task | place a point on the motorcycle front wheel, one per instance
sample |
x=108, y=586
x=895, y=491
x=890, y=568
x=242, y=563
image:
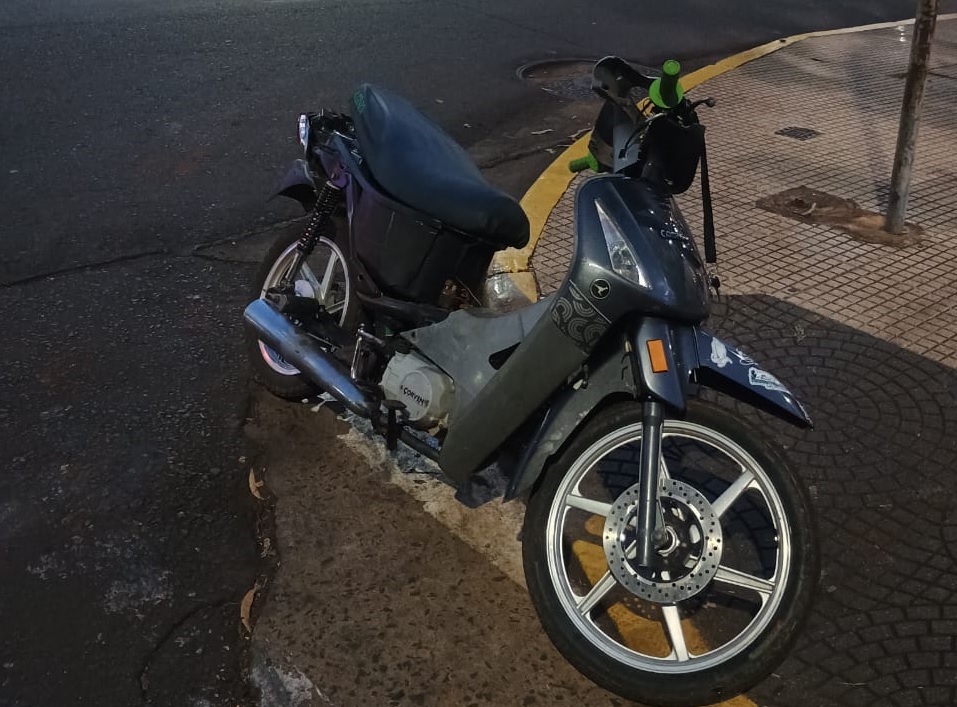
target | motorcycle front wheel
x=729, y=588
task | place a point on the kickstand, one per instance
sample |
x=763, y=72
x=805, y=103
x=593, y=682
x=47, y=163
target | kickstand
x=392, y=423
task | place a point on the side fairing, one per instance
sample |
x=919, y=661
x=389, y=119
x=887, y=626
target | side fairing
x=538, y=367
x=672, y=283
x=463, y=343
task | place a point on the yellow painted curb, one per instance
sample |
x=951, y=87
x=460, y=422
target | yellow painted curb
x=548, y=189
x=538, y=203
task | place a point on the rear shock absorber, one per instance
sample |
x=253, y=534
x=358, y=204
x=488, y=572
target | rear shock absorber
x=321, y=216
x=319, y=223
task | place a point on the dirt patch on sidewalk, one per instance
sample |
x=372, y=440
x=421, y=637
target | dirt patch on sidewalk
x=812, y=206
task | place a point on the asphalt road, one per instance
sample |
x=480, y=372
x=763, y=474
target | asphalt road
x=132, y=133
x=153, y=126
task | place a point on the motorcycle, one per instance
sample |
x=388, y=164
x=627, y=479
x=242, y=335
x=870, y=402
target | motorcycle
x=669, y=548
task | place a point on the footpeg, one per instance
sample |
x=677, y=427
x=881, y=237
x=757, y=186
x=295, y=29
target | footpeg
x=287, y=301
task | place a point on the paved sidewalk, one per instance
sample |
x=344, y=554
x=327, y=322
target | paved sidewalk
x=848, y=89
x=865, y=334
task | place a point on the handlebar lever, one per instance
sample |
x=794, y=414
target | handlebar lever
x=710, y=102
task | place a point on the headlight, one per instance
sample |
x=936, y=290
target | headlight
x=623, y=258
x=304, y=131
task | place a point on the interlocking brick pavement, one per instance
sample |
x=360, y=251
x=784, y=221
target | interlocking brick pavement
x=880, y=465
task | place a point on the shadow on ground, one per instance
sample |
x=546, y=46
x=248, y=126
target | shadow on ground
x=880, y=463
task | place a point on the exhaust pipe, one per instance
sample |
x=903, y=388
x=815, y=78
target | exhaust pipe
x=318, y=366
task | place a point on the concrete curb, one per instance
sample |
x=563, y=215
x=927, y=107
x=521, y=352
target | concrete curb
x=549, y=187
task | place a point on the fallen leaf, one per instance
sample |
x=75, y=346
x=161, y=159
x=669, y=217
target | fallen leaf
x=246, y=605
x=255, y=485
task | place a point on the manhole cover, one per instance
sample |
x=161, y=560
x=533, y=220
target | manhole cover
x=812, y=206
x=798, y=133
x=568, y=78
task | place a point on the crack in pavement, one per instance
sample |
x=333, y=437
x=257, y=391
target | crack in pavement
x=119, y=260
x=142, y=677
x=190, y=251
x=528, y=152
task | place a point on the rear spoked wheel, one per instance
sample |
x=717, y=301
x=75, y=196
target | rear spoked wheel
x=730, y=585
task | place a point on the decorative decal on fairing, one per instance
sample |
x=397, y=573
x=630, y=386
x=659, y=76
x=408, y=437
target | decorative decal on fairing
x=764, y=379
x=743, y=358
x=577, y=319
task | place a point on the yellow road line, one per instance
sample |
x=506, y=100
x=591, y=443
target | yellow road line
x=538, y=203
x=696, y=78
x=548, y=189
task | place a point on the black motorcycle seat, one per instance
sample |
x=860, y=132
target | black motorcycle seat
x=418, y=164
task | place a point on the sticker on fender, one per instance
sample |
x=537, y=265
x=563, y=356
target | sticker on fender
x=758, y=377
x=720, y=351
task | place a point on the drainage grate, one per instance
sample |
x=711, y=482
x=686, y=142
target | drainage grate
x=798, y=133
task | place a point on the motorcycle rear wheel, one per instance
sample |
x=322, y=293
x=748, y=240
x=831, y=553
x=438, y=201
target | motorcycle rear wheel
x=326, y=275
x=733, y=587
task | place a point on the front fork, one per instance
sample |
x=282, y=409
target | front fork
x=651, y=533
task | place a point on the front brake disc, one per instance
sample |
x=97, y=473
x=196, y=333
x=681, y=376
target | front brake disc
x=690, y=560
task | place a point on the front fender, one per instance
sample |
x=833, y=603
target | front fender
x=298, y=184
x=730, y=371
x=692, y=355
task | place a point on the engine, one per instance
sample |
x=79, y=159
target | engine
x=427, y=393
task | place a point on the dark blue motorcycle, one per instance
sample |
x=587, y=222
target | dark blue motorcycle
x=669, y=548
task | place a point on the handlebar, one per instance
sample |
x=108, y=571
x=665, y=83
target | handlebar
x=622, y=126
x=667, y=92
x=582, y=163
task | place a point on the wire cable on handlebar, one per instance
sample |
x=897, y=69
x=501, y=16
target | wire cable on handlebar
x=631, y=138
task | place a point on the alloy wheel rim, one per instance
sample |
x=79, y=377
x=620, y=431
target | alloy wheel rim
x=323, y=289
x=580, y=607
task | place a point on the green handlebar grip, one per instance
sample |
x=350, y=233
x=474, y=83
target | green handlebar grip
x=582, y=163
x=667, y=92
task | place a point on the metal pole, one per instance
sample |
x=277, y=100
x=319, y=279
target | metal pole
x=924, y=27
